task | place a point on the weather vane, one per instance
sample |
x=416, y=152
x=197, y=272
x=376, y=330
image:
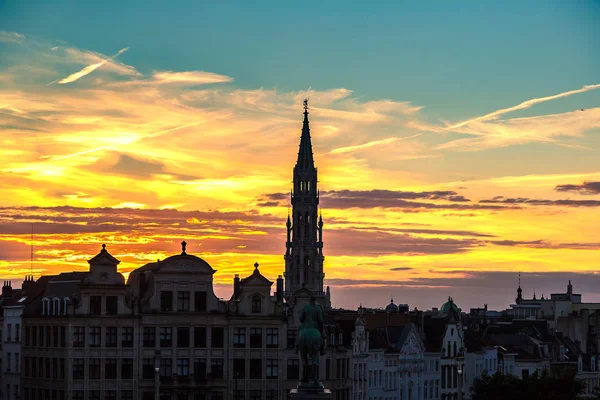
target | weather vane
x=306, y=104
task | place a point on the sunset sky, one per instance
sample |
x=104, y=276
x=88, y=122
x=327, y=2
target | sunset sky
x=457, y=143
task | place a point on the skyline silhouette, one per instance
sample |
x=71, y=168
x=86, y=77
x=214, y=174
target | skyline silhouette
x=444, y=170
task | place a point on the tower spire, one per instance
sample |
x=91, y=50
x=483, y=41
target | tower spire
x=305, y=154
x=304, y=255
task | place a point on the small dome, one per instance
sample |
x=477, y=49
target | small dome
x=447, y=306
x=391, y=307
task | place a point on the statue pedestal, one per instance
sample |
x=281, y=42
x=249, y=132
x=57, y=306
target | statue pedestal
x=308, y=394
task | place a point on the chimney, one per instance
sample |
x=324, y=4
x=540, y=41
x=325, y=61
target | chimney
x=28, y=283
x=7, y=289
x=236, y=286
x=279, y=294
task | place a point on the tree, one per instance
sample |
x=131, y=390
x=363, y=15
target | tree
x=562, y=386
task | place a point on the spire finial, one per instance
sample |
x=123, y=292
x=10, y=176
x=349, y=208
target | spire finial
x=391, y=299
x=183, y=244
x=519, y=279
x=305, y=105
x=103, y=247
x=256, y=265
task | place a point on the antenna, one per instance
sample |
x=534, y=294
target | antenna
x=31, y=260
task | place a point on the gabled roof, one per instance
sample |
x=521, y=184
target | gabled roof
x=256, y=278
x=104, y=257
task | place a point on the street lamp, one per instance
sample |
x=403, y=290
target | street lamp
x=460, y=361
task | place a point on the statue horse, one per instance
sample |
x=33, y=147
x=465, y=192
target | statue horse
x=310, y=343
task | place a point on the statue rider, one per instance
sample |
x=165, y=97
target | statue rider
x=311, y=339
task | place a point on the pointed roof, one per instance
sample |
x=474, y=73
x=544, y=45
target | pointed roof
x=256, y=278
x=104, y=257
x=305, y=154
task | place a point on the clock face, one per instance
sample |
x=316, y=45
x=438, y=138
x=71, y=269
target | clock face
x=233, y=307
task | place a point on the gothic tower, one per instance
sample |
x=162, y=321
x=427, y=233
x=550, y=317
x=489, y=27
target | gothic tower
x=304, y=247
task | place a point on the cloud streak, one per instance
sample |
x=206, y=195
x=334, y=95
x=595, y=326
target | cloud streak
x=523, y=105
x=89, y=69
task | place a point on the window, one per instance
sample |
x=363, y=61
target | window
x=217, y=337
x=255, y=394
x=239, y=368
x=55, y=336
x=425, y=390
x=328, y=367
x=77, y=394
x=17, y=361
x=272, y=337
x=110, y=368
x=183, y=337
x=239, y=337
x=34, y=335
x=256, y=338
x=48, y=334
x=340, y=339
x=293, y=368
x=78, y=368
x=183, y=367
x=255, y=368
x=271, y=394
x=78, y=336
x=256, y=303
x=183, y=301
x=291, y=338
x=200, y=369
x=149, y=336
x=216, y=368
x=94, y=336
x=127, y=368
x=112, y=305
x=148, y=368
x=238, y=394
x=272, y=368
x=126, y=394
x=166, y=336
x=127, y=336
x=200, y=336
x=94, y=368
x=63, y=336
x=95, y=305
x=17, y=332
x=94, y=395
x=200, y=301
x=166, y=300
x=111, y=336
x=166, y=368
x=110, y=395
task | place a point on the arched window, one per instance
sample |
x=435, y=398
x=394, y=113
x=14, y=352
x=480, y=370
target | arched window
x=256, y=304
x=65, y=303
x=45, y=306
x=454, y=349
x=56, y=306
x=308, y=186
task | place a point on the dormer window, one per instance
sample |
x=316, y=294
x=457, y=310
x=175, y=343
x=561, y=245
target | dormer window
x=256, y=304
x=65, y=303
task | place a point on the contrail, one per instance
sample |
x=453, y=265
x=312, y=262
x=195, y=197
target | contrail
x=370, y=144
x=89, y=69
x=525, y=104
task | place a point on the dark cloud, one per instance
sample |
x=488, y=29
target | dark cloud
x=541, y=202
x=268, y=204
x=400, y=269
x=407, y=201
x=543, y=244
x=424, y=231
x=586, y=188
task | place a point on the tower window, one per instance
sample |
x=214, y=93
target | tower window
x=308, y=185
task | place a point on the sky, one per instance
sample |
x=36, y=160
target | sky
x=457, y=142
